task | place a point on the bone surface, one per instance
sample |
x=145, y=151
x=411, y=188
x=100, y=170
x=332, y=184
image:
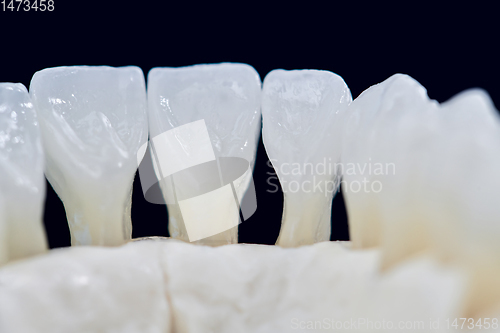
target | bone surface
x=302, y=116
x=22, y=185
x=93, y=121
x=197, y=115
x=171, y=286
x=86, y=289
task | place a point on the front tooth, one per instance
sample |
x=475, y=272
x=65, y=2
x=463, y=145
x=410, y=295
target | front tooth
x=198, y=115
x=301, y=112
x=93, y=121
x=21, y=176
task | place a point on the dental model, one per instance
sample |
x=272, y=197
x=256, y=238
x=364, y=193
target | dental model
x=93, y=121
x=420, y=270
x=22, y=185
x=198, y=115
x=302, y=116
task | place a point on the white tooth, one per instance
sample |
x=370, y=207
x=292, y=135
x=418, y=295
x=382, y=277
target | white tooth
x=302, y=111
x=199, y=114
x=21, y=175
x=443, y=194
x=384, y=132
x=93, y=121
x=4, y=246
x=462, y=200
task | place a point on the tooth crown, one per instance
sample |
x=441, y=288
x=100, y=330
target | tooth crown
x=20, y=139
x=302, y=110
x=21, y=174
x=467, y=156
x=226, y=97
x=93, y=121
x=97, y=112
x=381, y=124
x=460, y=207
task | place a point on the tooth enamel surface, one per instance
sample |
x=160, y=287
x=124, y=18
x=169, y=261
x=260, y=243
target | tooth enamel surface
x=384, y=147
x=463, y=193
x=441, y=198
x=93, y=120
x=302, y=113
x=22, y=185
x=197, y=115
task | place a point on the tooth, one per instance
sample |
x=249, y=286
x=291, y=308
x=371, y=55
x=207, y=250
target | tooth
x=21, y=176
x=4, y=246
x=462, y=201
x=93, y=120
x=200, y=114
x=442, y=197
x=386, y=128
x=302, y=111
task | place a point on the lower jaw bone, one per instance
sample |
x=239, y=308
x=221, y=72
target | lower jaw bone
x=171, y=286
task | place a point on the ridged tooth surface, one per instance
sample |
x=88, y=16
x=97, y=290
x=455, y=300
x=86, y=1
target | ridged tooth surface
x=22, y=185
x=223, y=100
x=383, y=138
x=93, y=120
x=302, y=112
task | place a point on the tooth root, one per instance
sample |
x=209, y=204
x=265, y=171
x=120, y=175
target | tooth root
x=203, y=114
x=93, y=121
x=302, y=111
x=22, y=185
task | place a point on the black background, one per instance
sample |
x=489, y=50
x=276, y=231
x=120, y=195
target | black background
x=447, y=49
